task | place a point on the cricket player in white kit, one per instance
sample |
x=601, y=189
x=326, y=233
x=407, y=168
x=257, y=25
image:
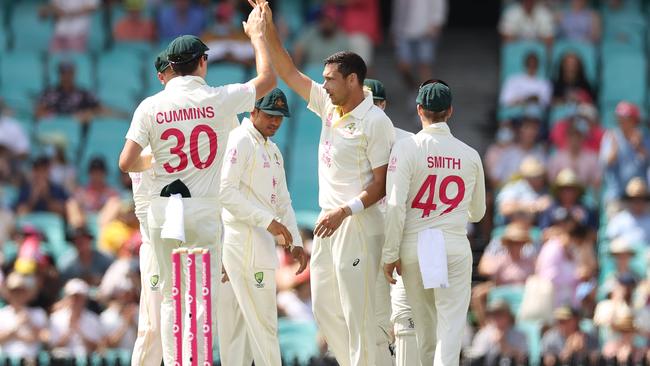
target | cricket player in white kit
x=394, y=315
x=187, y=127
x=147, y=349
x=435, y=184
x=255, y=197
x=355, y=142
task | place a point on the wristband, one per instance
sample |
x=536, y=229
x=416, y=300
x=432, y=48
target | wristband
x=355, y=205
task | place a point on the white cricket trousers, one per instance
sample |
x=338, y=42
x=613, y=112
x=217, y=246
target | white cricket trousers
x=382, y=312
x=255, y=291
x=344, y=269
x=147, y=350
x=406, y=345
x=440, y=314
x=234, y=346
x=202, y=221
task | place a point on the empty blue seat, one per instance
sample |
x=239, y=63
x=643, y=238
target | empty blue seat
x=120, y=78
x=30, y=32
x=50, y=224
x=298, y=341
x=225, y=73
x=623, y=77
x=60, y=129
x=97, y=38
x=533, y=332
x=21, y=79
x=512, y=294
x=105, y=139
x=513, y=55
x=584, y=50
x=84, y=71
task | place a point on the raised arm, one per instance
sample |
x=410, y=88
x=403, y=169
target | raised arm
x=281, y=60
x=265, y=80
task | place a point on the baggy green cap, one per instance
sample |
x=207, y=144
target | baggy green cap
x=376, y=88
x=274, y=103
x=161, y=62
x=184, y=49
x=435, y=97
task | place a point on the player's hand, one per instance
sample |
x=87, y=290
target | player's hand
x=277, y=229
x=224, y=275
x=331, y=221
x=298, y=253
x=389, y=268
x=254, y=26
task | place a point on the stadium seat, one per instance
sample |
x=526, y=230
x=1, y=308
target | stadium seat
x=584, y=50
x=513, y=55
x=105, y=139
x=293, y=13
x=623, y=77
x=29, y=31
x=533, y=332
x=84, y=70
x=97, y=38
x=50, y=224
x=120, y=78
x=225, y=73
x=512, y=294
x=21, y=79
x=297, y=340
x=8, y=195
x=64, y=130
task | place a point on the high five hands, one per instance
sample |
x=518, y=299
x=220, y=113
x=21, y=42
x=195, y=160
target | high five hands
x=254, y=26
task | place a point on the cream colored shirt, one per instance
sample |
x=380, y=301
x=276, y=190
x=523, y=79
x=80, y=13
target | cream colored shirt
x=351, y=146
x=434, y=181
x=187, y=125
x=254, y=192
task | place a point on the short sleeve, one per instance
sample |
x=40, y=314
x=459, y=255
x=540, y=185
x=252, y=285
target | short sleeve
x=318, y=99
x=237, y=98
x=381, y=136
x=140, y=128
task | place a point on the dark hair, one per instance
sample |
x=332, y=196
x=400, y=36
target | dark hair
x=529, y=56
x=40, y=162
x=186, y=68
x=349, y=63
x=435, y=116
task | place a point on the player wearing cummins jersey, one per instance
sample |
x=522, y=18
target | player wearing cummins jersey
x=394, y=315
x=187, y=127
x=147, y=349
x=435, y=184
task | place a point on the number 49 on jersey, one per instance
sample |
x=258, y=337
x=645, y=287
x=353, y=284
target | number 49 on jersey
x=429, y=188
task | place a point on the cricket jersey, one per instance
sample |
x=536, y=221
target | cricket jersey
x=187, y=125
x=351, y=146
x=254, y=192
x=141, y=186
x=434, y=181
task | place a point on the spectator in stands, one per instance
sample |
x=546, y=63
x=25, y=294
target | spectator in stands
x=89, y=200
x=23, y=329
x=62, y=172
x=633, y=223
x=567, y=193
x=181, y=17
x=86, y=262
x=75, y=331
x=120, y=319
x=575, y=157
x=72, y=25
x=118, y=229
x=584, y=120
x=498, y=339
x=507, y=164
x=511, y=268
x=226, y=39
x=527, y=19
x=559, y=263
x=579, y=22
x=526, y=88
x=360, y=20
x=12, y=134
x=571, y=83
x=67, y=98
x=617, y=305
x=416, y=28
x=565, y=341
x=625, y=151
x=320, y=40
x=122, y=269
x=504, y=141
x=528, y=194
x=622, y=251
x=623, y=349
x=294, y=302
x=39, y=194
x=134, y=26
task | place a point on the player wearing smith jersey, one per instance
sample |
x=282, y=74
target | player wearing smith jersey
x=435, y=184
x=187, y=127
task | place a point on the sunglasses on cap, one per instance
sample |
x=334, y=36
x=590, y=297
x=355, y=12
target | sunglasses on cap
x=432, y=81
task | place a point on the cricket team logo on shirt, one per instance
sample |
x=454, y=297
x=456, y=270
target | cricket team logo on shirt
x=350, y=129
x=327, y=153
x=153, y=281
x=259, y=278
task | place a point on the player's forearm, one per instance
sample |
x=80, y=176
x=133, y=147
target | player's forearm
x=375, y=191
x=265, y=80
x=280, y=58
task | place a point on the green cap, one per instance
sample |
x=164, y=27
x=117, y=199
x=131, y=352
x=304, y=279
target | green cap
x=184, y=49
x=274, y=103
x=161, y=62
x=435, y=97
x=376, y=88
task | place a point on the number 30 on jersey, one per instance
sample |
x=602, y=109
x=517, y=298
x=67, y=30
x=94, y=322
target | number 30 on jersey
x=194, y=148
x=429, y=186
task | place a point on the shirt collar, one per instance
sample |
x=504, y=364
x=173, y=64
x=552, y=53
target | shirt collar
x=360, y=111
x=248, y=125
x=185, y=81
x=439, y=128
